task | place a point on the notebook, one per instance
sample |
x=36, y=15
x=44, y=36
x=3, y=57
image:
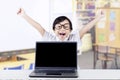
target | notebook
x=55, y=60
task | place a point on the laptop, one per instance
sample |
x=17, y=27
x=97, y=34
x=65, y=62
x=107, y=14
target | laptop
x=55, y=60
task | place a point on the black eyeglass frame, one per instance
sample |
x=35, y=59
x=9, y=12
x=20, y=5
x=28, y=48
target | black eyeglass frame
x=63, y=25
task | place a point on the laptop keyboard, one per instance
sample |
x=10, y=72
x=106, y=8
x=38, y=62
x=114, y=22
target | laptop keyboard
x=55, y=72
x=59, y=71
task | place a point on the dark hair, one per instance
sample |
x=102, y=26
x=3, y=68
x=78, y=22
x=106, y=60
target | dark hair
x=60, y=19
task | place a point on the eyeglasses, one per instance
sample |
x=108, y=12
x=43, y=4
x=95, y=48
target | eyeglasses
x=66, y=26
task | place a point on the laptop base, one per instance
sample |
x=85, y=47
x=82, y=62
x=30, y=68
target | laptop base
x=53, y=75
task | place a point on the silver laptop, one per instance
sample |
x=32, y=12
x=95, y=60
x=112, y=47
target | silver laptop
x=55, y=60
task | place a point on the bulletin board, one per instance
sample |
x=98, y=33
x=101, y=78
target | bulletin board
x=108, y=28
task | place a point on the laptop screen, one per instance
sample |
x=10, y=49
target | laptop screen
x=56, y=54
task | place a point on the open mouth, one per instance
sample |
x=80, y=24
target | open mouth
x=62, y=34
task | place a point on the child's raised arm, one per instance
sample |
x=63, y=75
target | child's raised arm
x=91, y=24
x=31, y=21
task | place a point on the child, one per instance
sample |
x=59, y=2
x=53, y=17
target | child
x=62, y=28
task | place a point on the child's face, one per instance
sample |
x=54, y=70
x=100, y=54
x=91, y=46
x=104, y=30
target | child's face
x=62, y=30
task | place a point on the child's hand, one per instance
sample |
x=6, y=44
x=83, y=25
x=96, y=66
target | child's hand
x=21, y=12
x=100, y=13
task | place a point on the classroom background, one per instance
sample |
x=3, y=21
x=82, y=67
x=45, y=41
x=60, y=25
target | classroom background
x=18, y=37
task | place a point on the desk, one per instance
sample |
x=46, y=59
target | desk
x=12, y=55
x=83, y=74
x=30, y=58
x=24, y=75
x=113, y=48
x=109, y=44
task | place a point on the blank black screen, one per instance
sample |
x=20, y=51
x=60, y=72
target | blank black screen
x=56, y=54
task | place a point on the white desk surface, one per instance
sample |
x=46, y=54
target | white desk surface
x=22, y=75
x=83, y=74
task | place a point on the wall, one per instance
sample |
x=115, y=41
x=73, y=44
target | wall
x=62, y=8
x=15, y=32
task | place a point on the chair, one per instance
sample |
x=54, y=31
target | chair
x=103, y=53
x=20, y=67
x=31, y=66
x=117, y=51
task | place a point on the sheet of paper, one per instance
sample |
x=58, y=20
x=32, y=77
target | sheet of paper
x=112, y=15
x=101, y=37
x=112, y=26
x=112, y=37
x=101, y=24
